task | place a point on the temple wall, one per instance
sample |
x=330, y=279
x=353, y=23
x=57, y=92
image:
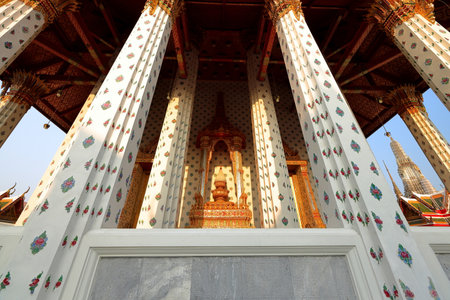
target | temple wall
x=237, y=106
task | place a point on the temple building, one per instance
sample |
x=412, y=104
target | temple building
x=11, y=207
x=217, y=149
x=421, y=204
x=412, y=177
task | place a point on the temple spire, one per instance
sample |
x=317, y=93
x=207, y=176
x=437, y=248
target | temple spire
x=413, y=179
x=397, y=191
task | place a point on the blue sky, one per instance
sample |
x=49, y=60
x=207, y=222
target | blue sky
x=27, y=152
x=30, y=148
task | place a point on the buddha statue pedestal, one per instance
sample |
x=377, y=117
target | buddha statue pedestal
x=220, y=213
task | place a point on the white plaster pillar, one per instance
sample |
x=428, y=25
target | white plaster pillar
x=90, y=192
x=423, y=41
x=433, y=63
x=352, y=189
x=19, y=25
x=277, y=202
x=162, y=198
x=58, y=160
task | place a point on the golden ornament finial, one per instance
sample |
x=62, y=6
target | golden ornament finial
x=171, y=7
x=278, y=8
x=12, y=189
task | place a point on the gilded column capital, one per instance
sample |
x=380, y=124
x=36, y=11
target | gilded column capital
x=278, y=8
x=4, y=2
x=52, y=9
x=404, y=98
x=391, y=13
x=25, y=88
x=171, y=7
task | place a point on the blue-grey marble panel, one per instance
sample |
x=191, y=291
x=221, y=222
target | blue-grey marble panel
x=444, y=259
x=117, y=278
x=234, y=277
x=165, y=278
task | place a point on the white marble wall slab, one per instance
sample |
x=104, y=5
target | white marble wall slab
x=232, y=277
x=444, y=259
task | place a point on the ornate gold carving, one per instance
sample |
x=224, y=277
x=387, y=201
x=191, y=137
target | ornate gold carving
x=290, y=153
x=4, y=2
x=405, y=98
x=391, y=13
x=220, y=129
x=278, y=8
x=426, y=9
x=52, y=9
x=25, y=88
x=147, y=152
x=220, y=213
x=151, y=5
x=139, y=178
x=8, y=192
x=171, y=7
x=307, y=210
x=134, y=199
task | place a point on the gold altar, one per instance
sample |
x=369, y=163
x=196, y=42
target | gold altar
x=220, y=213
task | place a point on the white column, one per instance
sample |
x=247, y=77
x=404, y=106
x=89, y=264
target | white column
x=277, y=202
x=90, y=192
x=58, y=160
x=353, y=191
x=427, y=46
x=162, y=197
x=19, y=25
